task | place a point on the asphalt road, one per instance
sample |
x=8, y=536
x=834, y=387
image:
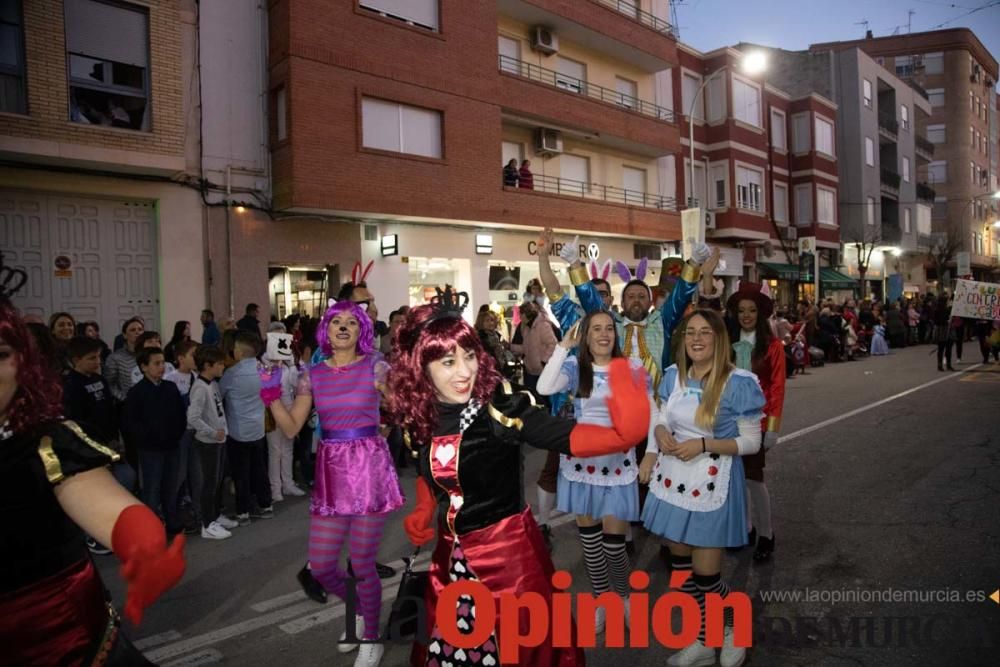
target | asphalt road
x=886, y=492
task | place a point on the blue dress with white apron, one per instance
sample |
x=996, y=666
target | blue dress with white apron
x=701, y=502
x=597, y=486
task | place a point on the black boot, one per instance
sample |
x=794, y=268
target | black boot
x=384, y=571
x=765, y=547
x=312, y=588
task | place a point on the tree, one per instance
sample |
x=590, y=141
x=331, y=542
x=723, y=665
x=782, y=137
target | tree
x=944, y=247
x=864, y=242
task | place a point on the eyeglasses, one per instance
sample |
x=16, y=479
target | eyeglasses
x=698, y=333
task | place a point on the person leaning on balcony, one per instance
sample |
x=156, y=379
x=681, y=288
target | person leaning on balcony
x=526, y=179
x=510, y=174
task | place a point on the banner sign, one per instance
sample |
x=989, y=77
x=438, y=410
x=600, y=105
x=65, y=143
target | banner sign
x=980, y=301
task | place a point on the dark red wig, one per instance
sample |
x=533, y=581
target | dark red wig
x=418, y=343
x=38, y=398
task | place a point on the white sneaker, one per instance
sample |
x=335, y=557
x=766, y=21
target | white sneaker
x=293, y=490
x=695, y=655
x=215, y=532
x=730, y=655
x=359, y=632
x=276, y=497
x=600, y=620
x=370, y=655
x=226, y=522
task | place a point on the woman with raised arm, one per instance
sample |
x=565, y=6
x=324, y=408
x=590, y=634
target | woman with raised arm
x=709, y=417
x=55, y=487
x=466, y=425
x=356, y=484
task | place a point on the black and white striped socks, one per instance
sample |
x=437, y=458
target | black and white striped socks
x=618, y=563
x=594, y=558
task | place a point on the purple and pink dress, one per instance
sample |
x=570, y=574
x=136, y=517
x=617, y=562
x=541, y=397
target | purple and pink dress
x=355, y=474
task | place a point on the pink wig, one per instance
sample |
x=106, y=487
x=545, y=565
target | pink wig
x=38, y=398
x=366, y=337
x=418, y=343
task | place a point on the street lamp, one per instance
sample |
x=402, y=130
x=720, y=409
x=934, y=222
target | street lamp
x=754, y=62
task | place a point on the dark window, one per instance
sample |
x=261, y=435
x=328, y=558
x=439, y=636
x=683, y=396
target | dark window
x=12, y=92
x=108, y=61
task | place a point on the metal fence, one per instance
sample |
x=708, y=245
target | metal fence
x=609, y=193
x=571, y=84
x=630, y=8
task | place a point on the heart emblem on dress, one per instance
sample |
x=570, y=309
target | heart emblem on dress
x=460, y=655
x=462, y=624
x=434, y=648
x=448, y=650
x=445, y=454
x=459, y=568
x=591, y=469
x=489, y=647
x=474, y=656
x=457, y=502
x=489, y=661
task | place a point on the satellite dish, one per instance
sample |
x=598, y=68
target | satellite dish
x=768, y=249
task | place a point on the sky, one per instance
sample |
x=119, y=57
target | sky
x=795, y=24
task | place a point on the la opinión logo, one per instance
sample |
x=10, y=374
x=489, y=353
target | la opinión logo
x=552, y=620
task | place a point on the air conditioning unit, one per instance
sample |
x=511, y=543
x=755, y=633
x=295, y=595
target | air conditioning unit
x=548, y=142
x=791, y=233
x=709, y=220
x=544, y=40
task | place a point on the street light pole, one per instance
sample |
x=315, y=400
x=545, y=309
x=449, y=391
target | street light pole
x=694, y=101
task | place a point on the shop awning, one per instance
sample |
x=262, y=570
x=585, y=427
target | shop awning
x=833, y=279
x=779, y=271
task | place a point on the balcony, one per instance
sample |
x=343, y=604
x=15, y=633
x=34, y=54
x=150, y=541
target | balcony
x=924, y=148
x=568, y=187
x=925, y=193
x=890, y=180
x=548, y=77
x=888, y=126
x=630, y=8
x=892, y=234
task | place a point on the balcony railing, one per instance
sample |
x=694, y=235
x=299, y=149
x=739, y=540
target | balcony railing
x=630, y=8
x=924, y=145
x=890, y=178
x=567, y=186
x=576, y=86
x=925, y=193
x=888, y=123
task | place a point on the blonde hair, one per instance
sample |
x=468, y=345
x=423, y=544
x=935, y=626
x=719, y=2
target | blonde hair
x=715, y=382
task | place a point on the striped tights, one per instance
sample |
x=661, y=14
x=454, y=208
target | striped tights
x=363, y=533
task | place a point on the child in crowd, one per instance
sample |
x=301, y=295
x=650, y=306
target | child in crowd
x=207, y=418
x=149, y=339
x=279, y=358
x=188, y=463
x=154, y=421
x=246, y=447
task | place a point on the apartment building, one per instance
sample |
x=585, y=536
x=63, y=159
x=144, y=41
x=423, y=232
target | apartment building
x=119, y=154
x=393, y=122
x=885, y=208
x=959, y=76
x=765, y=167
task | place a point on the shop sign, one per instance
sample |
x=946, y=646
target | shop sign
x=63, y=266
x=587, y=251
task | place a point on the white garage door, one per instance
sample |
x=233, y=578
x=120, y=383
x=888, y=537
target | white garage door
x=93, y=258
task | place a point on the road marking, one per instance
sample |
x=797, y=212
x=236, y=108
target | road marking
x=847, y=415
x=280, y=601
x=156, y=640
x=206, y=657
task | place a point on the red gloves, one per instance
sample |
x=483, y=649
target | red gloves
x=419, y=524
x=149, y=567
x=629, y=408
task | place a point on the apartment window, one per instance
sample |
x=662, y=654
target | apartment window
x=972, y=102
x=512, y=150
x=978, y=140
x=780, y=202
x=803, y=204
x=870, y=210
x=904, y=65
x=749, y=186
x=937, y=172
x=509, y=51
x=972, y=136
x=108, y=52
x=746, y=102
x=691, y=83
x=574, y=173
x=906, y=169
x=824, y=136
x=866, y=92
x=12, y=95
x=907, y=221
x=778, y=130
x=421, y=13
x=698, y=191
x=570, y=74
x=936, y=134
x=940, y=210
x=973, y=172
x=936, y=97
x=934, y=63
x=800, y=133
x=281, y=114
x=628, y=92
x=634, y=181
x=716, y=99
x=869, y=152
x=399, y=128
x=826, y=206
x=720, y=181
x=904, y=117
